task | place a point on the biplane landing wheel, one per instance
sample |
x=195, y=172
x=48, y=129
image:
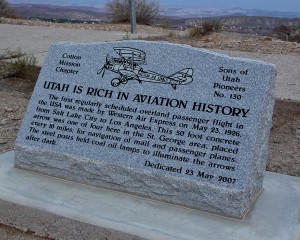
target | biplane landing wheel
x=115, y=82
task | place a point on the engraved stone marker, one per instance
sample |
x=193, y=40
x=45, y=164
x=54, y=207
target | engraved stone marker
x=158, y=120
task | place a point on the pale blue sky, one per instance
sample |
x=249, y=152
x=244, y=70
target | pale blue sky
x=274, y=5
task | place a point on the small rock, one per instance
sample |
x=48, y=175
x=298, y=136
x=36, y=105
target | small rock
x=8, y=109
x=2, y=141
x=3, y=121
x=297, y=134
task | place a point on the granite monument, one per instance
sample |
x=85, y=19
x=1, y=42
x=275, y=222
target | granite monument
x=163, y=121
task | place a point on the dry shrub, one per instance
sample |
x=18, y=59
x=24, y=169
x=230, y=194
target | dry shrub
x=11, y=54
x=24, y=66
x=21, y=64
x=6, y=10
x=282, y=29
x=146, y=11
x=164, y=25
x=212, y=25
x=208, y=26
x=295, y=38
x=196, y=31
x=287, y=33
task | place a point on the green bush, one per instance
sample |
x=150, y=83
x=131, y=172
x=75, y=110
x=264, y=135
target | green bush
x=146, y=11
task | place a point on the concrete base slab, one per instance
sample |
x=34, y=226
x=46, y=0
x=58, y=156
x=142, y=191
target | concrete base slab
x=275, y=216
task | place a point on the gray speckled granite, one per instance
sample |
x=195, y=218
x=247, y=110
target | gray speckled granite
x=112, y=134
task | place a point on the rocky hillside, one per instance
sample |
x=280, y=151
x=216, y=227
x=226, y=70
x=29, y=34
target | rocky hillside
x=243, y=24
x=249, y=21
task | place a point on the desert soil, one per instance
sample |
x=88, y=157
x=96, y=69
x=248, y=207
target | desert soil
x=284, y=143
x=9, y=233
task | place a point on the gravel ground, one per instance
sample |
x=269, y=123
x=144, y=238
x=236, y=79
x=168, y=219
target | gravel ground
x=98, y=27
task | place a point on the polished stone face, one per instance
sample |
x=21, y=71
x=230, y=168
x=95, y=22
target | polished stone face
x=164, y=121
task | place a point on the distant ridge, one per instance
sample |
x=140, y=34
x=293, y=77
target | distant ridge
x=193, y=12
x=257, y=24
x=90, y=12
x=60, y=12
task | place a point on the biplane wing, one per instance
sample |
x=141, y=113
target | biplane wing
x=135, y=55
x=184, y=76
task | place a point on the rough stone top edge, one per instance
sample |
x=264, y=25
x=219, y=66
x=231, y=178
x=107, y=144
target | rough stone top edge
x=272, y=66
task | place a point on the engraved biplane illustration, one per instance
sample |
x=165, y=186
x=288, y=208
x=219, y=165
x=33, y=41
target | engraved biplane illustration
x=126, y=62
